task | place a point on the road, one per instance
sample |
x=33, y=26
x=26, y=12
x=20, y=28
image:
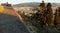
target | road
x=10, y=11
x=11, y=24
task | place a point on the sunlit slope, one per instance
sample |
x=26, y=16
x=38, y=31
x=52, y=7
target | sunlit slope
x=6, y=10
x=1, y=9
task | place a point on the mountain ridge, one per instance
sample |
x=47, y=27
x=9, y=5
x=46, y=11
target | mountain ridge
x=33, y=3
x=36, y=4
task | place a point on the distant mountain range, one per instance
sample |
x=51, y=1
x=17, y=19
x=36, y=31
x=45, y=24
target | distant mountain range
x=36, y=4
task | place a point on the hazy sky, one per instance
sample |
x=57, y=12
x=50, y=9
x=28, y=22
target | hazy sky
x=23, y=1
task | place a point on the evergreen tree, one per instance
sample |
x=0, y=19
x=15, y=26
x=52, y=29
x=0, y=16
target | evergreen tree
x=49, y=17
x=56, y=17
x=40, y=16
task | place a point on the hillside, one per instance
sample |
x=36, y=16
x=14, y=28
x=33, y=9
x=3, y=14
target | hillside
x=27, y=18
x=35, y=4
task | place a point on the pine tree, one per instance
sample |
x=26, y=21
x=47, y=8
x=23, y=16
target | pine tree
x=40, y=14
x=56, y=17
x=49, y=15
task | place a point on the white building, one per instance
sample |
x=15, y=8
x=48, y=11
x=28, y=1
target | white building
x=26, y=10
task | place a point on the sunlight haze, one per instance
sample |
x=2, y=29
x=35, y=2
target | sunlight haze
x=24, y=1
